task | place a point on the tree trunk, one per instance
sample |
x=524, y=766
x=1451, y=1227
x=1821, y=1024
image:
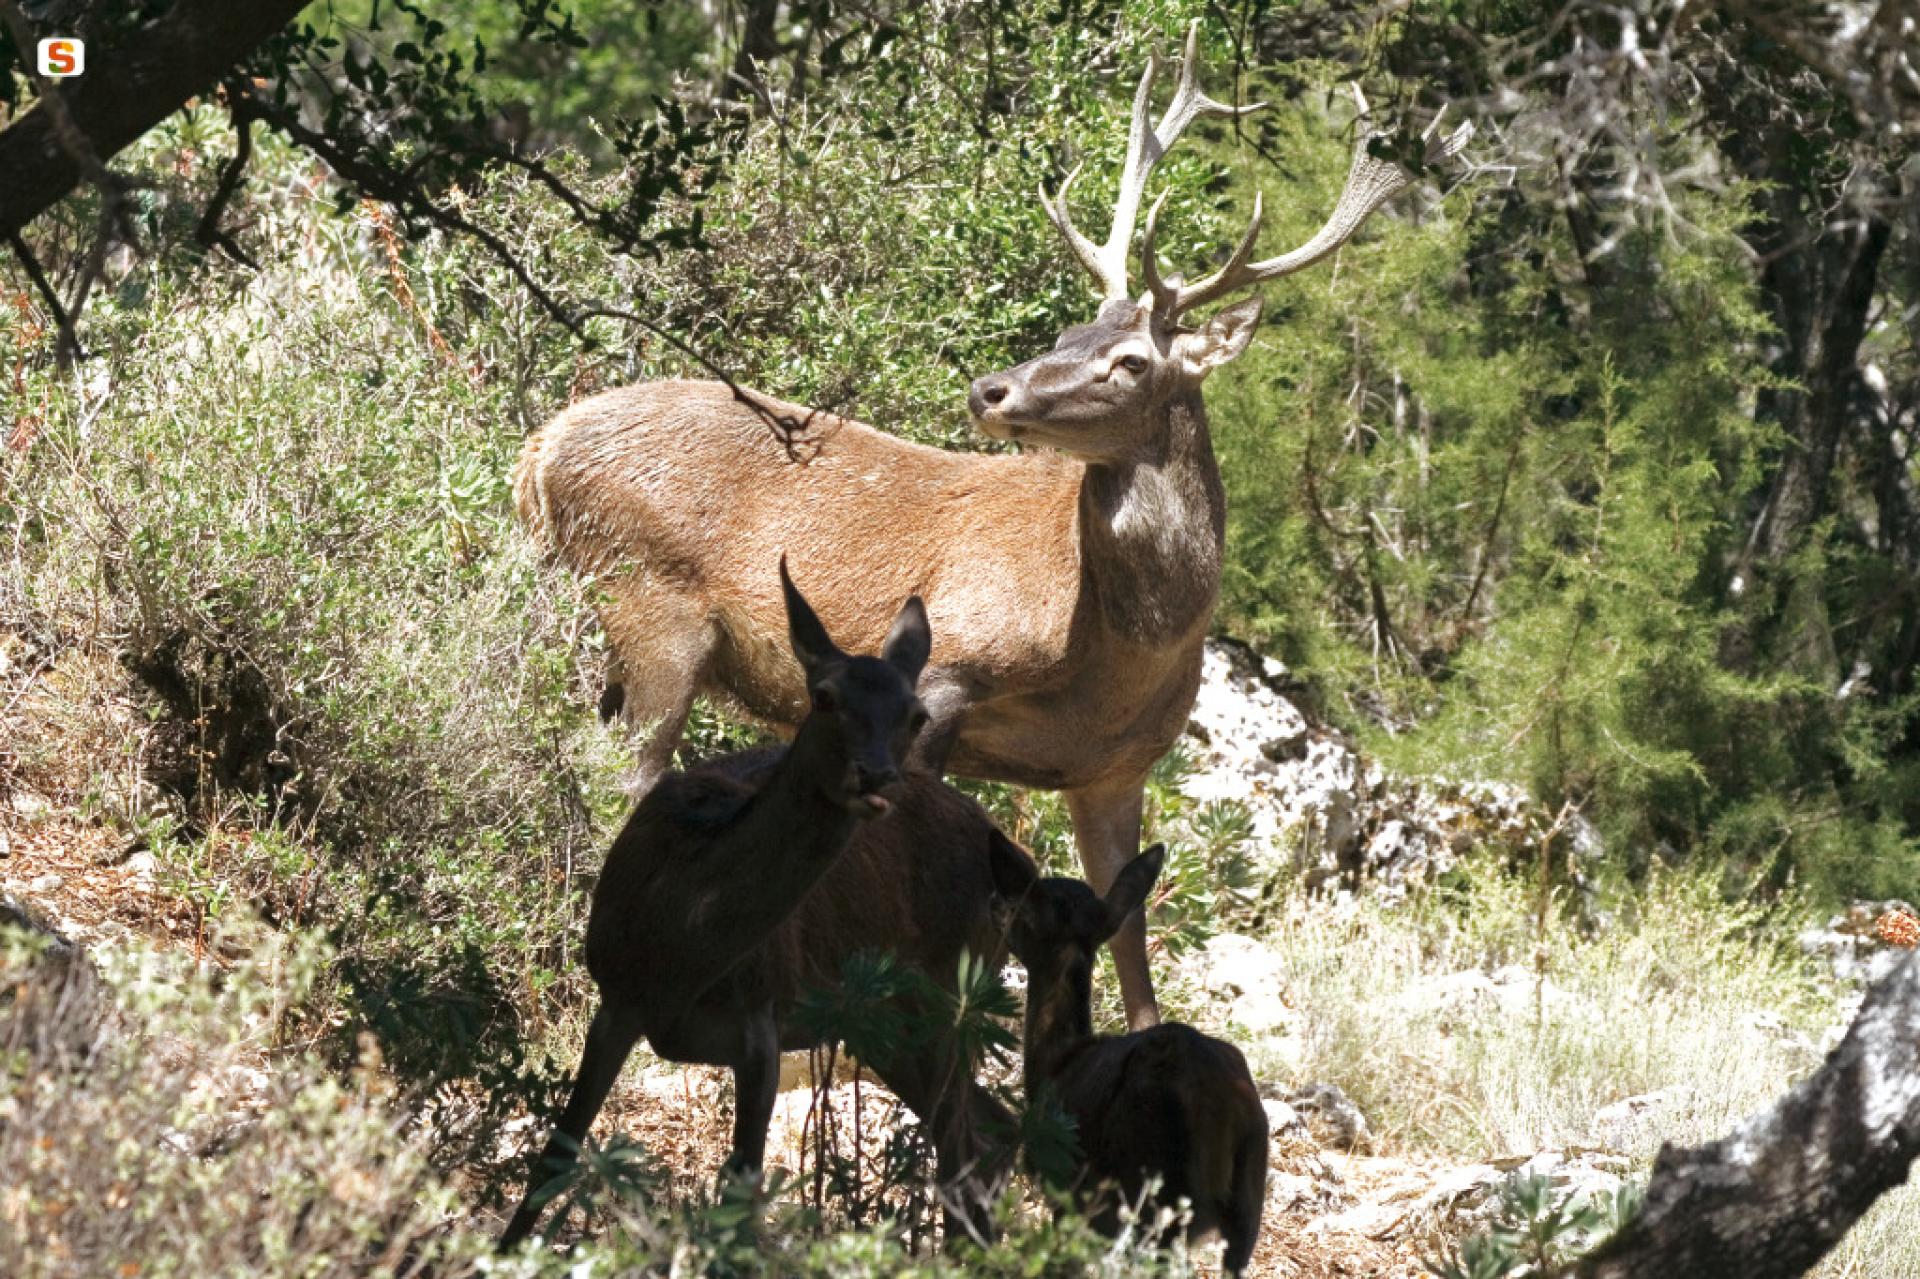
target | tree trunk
x=1770, y=1199
x=135, y=78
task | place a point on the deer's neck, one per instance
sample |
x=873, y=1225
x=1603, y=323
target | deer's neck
x=1059, y=1020
x=787, y=837
x=1153, y=528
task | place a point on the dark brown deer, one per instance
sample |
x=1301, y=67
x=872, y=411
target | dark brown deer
x=739, y=884
x=1072, y=587
x=1167, y=1104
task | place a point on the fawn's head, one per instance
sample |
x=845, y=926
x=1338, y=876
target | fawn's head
x=864, y=710
x=1098, y=393
x=1059, y=924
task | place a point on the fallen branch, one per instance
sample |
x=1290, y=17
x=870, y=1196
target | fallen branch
x=1774, y=1196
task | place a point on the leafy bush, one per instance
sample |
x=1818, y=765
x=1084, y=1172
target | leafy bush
x=177, y=1145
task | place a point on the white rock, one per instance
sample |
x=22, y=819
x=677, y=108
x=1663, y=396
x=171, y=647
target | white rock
x=1249, y=977
x=1313, y=800
x=1284, y=1122
x=1332, y=1116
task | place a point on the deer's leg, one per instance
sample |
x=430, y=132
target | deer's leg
x=747, y=1042
x=1241, y=1224
x=962, y=1116
x=945, y=696
x=659, y=660
x=756, y=1083
x=610, y=1038
x=1106, y=826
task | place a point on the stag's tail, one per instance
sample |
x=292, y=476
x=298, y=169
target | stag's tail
x=530, y=485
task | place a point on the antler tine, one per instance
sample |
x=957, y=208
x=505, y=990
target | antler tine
x=1170, y=300
x=1146, y=144
x=1371, y=182
x=1083, y=248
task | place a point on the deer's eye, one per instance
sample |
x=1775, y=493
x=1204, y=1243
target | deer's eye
x=1134, y=364
x=916, y=721
x=823, y=700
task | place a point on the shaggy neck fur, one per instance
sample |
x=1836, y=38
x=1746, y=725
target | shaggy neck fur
x=1153, y=528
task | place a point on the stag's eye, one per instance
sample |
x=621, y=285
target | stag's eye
x=1134, y=364
x=916, y=721
x=823, y=700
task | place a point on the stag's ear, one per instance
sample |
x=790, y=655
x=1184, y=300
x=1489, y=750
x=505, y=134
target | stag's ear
x=1014, y=873
x=910, y=640
x=1131, y=886
x=1220, y=339
x=810, y=642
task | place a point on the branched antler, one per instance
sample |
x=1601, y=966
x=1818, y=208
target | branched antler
x=1371, y=182
x=1107, y=263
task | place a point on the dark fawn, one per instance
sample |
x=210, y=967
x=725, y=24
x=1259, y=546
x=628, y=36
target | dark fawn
x=1167, y=1104
x=739, y=884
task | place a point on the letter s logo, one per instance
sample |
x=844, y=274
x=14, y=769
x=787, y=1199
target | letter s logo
x=61, y=57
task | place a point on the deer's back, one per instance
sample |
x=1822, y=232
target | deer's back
x=915, y=883
x=1168, y=1101
x=677, y=486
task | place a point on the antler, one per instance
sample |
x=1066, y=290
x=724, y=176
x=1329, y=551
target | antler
x=1370, y=183
x=1108, y=263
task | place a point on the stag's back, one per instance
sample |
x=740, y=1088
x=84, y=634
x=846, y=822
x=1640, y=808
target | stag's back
x=679, y=489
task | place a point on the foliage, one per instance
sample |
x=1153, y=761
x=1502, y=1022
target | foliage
x=176, y=1146
x=1457, y=1024
x=1536, y=1231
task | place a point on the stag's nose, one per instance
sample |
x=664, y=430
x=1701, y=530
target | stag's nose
x=988, y=393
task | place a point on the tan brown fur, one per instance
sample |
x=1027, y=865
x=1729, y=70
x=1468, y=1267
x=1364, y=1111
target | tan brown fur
x=1070, y=591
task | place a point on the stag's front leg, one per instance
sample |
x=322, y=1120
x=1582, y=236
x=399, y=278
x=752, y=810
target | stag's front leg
x=1106, y=826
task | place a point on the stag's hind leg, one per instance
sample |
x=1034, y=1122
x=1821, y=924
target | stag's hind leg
x=662, y=644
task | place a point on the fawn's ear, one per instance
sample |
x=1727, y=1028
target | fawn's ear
x=810, y=642
x=1131, y=886
x=910, y=640
x=1014, y=873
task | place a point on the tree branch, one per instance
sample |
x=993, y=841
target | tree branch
x=138, y=75
x=1774, y=1196
x=208, y=233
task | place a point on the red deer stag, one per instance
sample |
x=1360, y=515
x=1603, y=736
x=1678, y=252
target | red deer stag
x=1072, y=587
x=1167, y=1102
x=736, y=885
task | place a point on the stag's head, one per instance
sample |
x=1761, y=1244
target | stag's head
x=864, y=712
x=1096, y=393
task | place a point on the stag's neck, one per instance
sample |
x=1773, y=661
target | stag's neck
x=1059, y=1021
x=1153, y=528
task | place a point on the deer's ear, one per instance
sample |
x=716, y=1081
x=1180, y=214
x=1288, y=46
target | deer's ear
x=910, y=640
x=1131, y=886
x=1221, y=338
x=1013, y=871
x=810, y=642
